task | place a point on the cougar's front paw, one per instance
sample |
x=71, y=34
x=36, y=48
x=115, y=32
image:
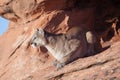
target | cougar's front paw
x=55, y=63
x=58, y=65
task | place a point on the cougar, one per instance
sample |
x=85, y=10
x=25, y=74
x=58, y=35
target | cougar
x=67, y=47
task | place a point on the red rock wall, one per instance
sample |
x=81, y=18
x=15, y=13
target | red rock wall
x=19, y=61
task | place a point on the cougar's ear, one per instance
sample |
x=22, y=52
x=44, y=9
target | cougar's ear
x=40, y=31
x=37, y=29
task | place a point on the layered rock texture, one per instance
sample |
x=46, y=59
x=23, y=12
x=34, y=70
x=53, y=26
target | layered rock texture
x=19, y=61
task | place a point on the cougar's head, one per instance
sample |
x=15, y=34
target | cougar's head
x=38, y=39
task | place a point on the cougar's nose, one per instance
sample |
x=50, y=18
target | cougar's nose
x=31, y=43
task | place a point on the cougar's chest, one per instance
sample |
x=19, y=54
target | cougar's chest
x=56, y=53
x=56, y=49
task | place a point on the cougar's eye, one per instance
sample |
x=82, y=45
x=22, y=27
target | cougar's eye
x=35, y=38
x=35, y=44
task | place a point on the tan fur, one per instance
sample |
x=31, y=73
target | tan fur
x=65, y=47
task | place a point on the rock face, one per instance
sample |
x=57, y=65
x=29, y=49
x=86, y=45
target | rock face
x=19, y=61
